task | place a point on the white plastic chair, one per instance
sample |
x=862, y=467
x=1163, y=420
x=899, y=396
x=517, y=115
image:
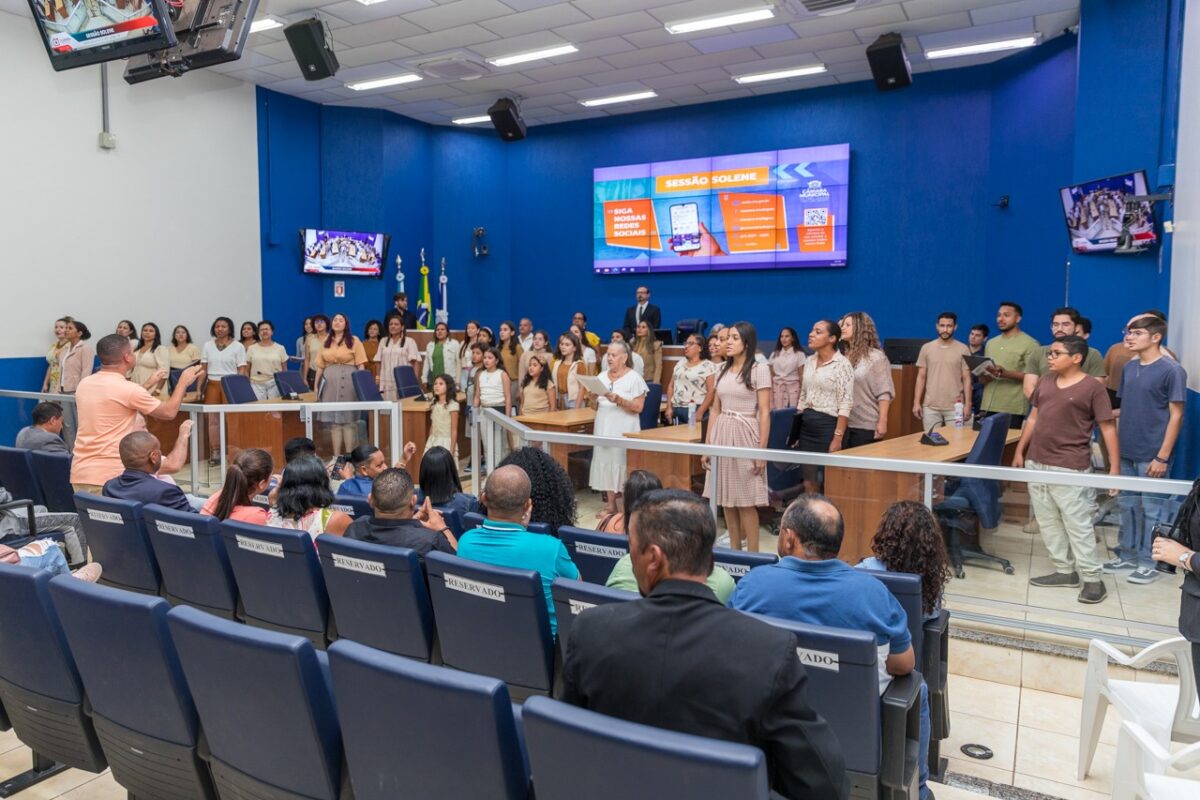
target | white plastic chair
x=1168, y=712
x=1141, y=765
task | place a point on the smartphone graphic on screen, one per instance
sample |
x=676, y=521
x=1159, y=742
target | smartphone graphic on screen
x=685, y=227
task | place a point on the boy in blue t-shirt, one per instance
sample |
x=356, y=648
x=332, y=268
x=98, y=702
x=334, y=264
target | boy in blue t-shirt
x=1153, y=390
x=810, y=584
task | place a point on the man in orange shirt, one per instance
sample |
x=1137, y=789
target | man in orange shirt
x=109, y=407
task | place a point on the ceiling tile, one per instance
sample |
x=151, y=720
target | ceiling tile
x=496, y=83
x=734, y=41
x=793, y=85
x=855, y=77
x=567, y=69
x=546, y=88
x=769, y=64
x=977, y=33
x=354, y=12
x=609, y=26
x=518, y=44
x=610, y=91
x=851, y=20
x=526, y=5
x=284, y=69
x=699, y=9
x=638, y=73
x=1052, y=25
x=460, y=12
x=655, y=37
x=541, y=19
x=416, y=93
x=606, y=47
x=608, y=8
x=711, y=60
x=383, y=30
x=730, y=94
x=840, y=55
x=945, y=22
x=373, y=54
x=462, y=36
x=808, y=44
x=676, y=80
x=542, y=102
x=276, y=51
x=651, y=55
x=919, y=9
x=1024, y=8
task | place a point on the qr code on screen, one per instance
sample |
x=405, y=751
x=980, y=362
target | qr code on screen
x=816, y=216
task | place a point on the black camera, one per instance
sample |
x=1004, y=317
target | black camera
x=340, y=463
x=1168, y=530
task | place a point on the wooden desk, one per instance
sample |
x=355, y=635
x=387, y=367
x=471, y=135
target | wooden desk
x=901, y=421
x=267, y=430
x=675, y=470
x=863, y=495
x=571, y=420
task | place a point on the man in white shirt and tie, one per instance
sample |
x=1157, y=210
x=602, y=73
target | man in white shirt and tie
x=642, y=310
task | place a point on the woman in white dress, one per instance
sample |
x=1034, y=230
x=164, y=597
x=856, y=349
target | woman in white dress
x=616, y=414
x=394, y=351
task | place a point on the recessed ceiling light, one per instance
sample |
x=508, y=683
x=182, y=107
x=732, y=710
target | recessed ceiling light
x=534, y=55
x=780, y=74
x=618, y=98
x=266, y=24
x=723, y=21
x=471, y=120
x=982, y=47
x=379, y=83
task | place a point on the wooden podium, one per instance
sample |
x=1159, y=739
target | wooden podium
x=571, y=420
x=675, y=470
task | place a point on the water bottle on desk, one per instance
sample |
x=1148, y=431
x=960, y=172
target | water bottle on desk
x=691, y=415
x=958, y=414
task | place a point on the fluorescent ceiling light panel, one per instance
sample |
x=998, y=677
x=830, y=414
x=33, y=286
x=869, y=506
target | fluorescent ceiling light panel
x=982, y=47
x=266, y=24
x=723, y=21
x=780, y=74
x=534, y=55
x=618, y=98
x=370, y=2
x=471, y=120
x=379, y=83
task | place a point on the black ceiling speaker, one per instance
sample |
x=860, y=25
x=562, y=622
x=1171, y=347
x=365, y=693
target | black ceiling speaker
x=312, y=49
x=507, y=120
x=889, y=62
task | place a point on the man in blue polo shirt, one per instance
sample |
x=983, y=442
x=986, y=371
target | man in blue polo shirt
x=504, y=541
x=810, y=584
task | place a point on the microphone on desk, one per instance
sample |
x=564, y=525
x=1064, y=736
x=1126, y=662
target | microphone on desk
x=930, y=437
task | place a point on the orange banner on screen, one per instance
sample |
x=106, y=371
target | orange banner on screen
x=721, y=179
x=816, y=238
x=631, y=223
x=754, y=223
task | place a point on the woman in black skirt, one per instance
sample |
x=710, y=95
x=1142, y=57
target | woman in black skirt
x=826, y=395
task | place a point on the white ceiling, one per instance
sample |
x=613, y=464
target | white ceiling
x=623, y=47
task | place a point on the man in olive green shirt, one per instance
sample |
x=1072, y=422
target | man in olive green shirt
x=1014, y=352
x=1064, y=322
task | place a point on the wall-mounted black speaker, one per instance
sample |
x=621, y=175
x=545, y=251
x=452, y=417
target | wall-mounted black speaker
x=507, y=120
x=312, y=51
x=889, y=62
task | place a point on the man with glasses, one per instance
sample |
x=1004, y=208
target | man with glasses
x=1152, y=391
x=643, y=309
x=1067, y=405
x=1064, y=321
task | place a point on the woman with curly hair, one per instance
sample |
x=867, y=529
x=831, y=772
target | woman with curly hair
x=552, y=493
x=909, y=539
x=873, y=387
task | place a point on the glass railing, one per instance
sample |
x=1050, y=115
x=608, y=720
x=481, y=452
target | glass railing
x=986, y=509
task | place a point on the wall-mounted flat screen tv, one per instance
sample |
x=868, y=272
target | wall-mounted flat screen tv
x=344, y=252
x=1096, y=213
x=81, y=32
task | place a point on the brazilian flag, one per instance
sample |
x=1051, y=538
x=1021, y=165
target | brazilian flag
x=425, y=303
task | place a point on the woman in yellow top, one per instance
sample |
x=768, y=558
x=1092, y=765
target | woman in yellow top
x=339, y=356
x=312, y=346
x=565, y=370
x=650, y=349
x=182, y=353
x=54, y=356
x=151, y=357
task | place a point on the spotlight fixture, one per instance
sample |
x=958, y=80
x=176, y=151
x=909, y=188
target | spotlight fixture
x=267, y=23
x=472, y=120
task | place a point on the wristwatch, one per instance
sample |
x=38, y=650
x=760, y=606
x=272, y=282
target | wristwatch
x=1185, y=558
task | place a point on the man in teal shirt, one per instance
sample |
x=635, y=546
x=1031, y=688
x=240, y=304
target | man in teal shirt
x=504, y=541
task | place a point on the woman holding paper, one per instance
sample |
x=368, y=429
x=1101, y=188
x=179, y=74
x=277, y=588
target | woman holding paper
x=619, y=404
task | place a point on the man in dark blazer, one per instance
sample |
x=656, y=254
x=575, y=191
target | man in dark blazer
x=678, y=659
x=400, y=306
x=643, y=309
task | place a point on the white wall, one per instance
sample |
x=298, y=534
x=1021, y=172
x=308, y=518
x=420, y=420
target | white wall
x=164, y=228
x=1185, y=255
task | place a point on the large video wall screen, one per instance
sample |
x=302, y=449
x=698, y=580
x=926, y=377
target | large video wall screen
x=783, y=209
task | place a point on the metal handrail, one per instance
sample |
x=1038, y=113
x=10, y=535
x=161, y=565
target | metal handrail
x=847, y=461
x=306, y=409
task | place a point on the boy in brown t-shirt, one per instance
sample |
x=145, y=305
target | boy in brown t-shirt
x=1057, y=437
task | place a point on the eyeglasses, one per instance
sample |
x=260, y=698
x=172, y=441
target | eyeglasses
x=1134, y=332
x=1056, y=353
